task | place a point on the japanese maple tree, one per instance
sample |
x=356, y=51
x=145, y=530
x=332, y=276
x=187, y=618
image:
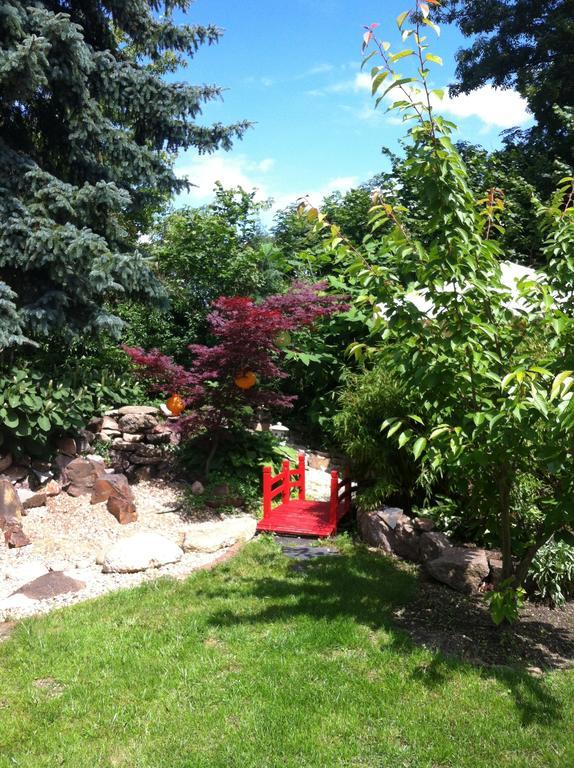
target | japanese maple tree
x=250, y=340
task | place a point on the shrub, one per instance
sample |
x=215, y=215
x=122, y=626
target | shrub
x=552, y=572
x=384, y=472
x=43, y=397
x=237, y=465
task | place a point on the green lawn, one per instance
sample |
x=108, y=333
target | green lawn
x=257, y=665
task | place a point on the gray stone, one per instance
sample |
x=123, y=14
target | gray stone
x=432, y=544
x=138, y=409
x=110, y=425
x=129, y=438
x=119, y=444
x=197, y=488
x=460, y=568
x=137, y=422
x=143, y=460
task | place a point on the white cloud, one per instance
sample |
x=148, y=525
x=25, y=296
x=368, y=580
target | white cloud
x=232, y=171
x=492, y=106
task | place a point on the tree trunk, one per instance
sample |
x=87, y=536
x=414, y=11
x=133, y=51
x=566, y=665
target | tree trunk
x=504, y=484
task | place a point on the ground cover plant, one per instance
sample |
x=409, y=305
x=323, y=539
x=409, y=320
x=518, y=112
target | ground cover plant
x=266, y=662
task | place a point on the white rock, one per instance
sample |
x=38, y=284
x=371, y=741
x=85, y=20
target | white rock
x=140, y=552
x=207, y=540
x=210, y=537
x=26, y=572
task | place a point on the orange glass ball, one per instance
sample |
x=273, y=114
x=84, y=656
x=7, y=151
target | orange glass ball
x=246, y=380
x=176, y=404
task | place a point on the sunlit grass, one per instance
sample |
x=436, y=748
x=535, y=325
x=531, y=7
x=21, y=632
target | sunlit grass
x=257, y=664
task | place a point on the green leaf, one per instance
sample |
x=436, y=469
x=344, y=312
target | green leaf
x=419, y=446
x=433, y=58
x=44, y=423
x=401, y=19
x=378, y=81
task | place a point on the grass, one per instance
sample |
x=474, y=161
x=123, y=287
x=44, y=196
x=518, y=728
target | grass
x=260, y=665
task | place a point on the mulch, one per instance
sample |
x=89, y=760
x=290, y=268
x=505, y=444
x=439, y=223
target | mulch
x=460, y=627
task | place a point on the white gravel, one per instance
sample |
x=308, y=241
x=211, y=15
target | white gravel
x=69, y=534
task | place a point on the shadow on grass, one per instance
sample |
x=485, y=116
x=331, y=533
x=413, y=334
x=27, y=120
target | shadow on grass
x=371, y=590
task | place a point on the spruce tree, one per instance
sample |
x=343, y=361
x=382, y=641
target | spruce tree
x=89, y=128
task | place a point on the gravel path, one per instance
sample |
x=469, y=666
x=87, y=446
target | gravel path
x=68, y=535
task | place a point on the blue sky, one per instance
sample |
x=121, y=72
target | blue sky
x=293, y=68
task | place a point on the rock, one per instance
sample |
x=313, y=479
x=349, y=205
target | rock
x=67, y=446
x=141, y=473
x=128, y=438
x=50, y=585
x=243, y=527
x=111, y=485
x=460, y=568
x=124, y=510
x=109, y=424
x=119, y=444
x=207, y=540
x=137, y=422
x=424, y=524
x=15, y=473
x=197, y=488
x=96, y=457
x=32, y=499
x=5, y=461
x=140, y=552
x=432, y=544
x=116, y=490
x=318, y=461
x=104, y=437
x=138, y=409
x=160, y=435
x=84, y=440
x=95, y=424
x=10, y=505
x=52, y=488
x=82, y=474
x=26, y=571
x=61, y=462
x=391, y=530
x=137, y=459
x=15, y=537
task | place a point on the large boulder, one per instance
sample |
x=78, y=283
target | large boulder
x=81, y=475
x=137, y=422
x=50, y=585
x=140, y=552
x=432, y=544
x=460, y=568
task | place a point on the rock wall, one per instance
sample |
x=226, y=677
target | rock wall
x=465, y=569
x=140, y=439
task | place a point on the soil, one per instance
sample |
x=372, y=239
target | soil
x=460, y=627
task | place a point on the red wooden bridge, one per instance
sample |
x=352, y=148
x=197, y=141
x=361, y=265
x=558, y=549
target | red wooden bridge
x=297, y=516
